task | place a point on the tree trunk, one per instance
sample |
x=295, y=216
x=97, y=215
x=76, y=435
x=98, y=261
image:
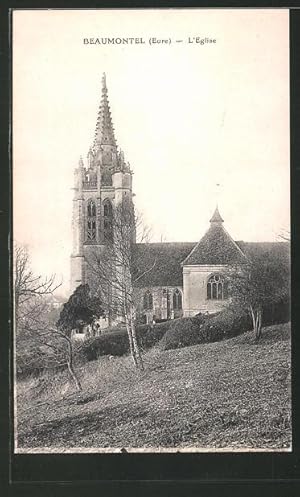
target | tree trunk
x=71, y=368
x=256, y=315
x=131, y=344
x=253, y=319
x=135, y=343
x=74, y=377
x=259, y=323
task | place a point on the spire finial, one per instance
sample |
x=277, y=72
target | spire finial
x=81, y=161
x=218, y=191
x=104, y=87
x=216, y=217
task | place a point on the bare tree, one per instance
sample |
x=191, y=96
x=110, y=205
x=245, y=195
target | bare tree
x=39, y=344
x=50, y=348
x=117, y=267
x=261, y=281
x=285, y=235
x=29, y=289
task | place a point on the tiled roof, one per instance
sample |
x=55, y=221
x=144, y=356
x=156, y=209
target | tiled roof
x=159, y=264
x=253, y=249
x=215, y=247
x=216, y=217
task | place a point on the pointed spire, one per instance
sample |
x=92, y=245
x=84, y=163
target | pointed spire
x=90, y=157
x=104, y=81
x=104, y=133
x=81, y=164
x=121, y=157
x=216, y=217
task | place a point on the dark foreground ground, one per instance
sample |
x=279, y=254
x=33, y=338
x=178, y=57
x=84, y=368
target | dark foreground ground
x=230, y=394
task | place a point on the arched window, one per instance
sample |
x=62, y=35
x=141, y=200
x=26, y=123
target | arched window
x=91, y=220
x=177, y=300
x=107, y=221
x=217, y=287
x=148, y=301
x=91, y=209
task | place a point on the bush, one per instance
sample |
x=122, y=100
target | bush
x=28, y=367
x=116, y=342
x=181, y=333
x=204, y=329
x=112, y=343
x=33, y=365
x=228, y=323
x=148, y=336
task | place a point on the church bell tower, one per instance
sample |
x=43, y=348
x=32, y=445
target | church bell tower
x=101, y=183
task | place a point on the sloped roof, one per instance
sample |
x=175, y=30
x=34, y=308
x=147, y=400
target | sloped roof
x=159, y=264
x=254, y=249
x=215, y=247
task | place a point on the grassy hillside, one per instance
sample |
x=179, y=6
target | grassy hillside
x=234, y=393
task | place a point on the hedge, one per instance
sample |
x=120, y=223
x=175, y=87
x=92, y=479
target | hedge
x=203, y=329
x=212, y=328
x=116, y=343
x=149, y=336
x=181, y=332
x=113, y=343
x=171, y=334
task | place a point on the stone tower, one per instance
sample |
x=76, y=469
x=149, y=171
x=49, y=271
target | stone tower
x=100, y=185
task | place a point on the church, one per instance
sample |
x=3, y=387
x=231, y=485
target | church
x=187, y=277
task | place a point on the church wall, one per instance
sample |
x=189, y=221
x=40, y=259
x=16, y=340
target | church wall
x=98, y=198
x=195, y=290
x=161, y=308
x=122, y=183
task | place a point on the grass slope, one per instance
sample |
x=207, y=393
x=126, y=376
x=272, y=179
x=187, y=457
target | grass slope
x=233, y=394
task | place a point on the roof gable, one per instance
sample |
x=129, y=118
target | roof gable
x=160, y=264
x=215, y=247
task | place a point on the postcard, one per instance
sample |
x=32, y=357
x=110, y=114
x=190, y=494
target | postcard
x=151, y=182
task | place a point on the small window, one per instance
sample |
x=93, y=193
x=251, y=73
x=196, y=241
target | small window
x=107, y=209
x=91, y=220
x=107, y=221
x=217, y=288
x=148, y=301
x=91, y=209
x=177, y=300
x=91, y=231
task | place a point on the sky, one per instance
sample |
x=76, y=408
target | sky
x=189, y=117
